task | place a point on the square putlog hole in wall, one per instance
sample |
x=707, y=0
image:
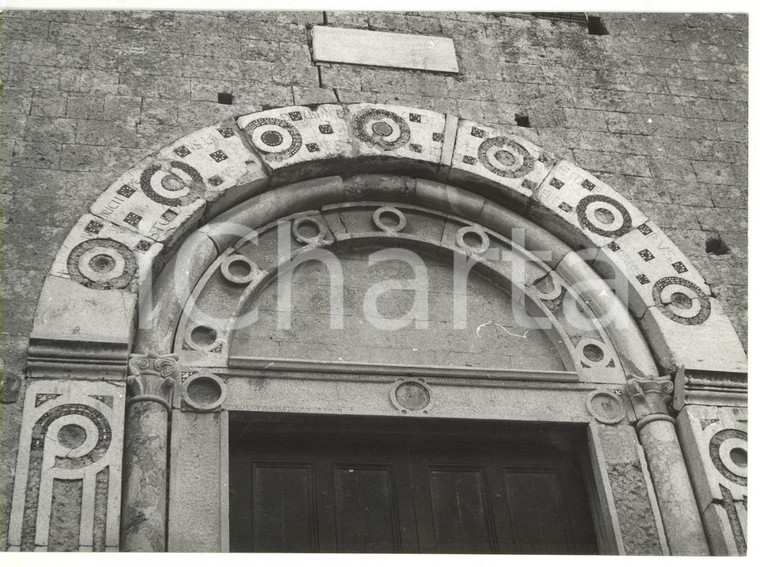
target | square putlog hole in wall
x=522, y=120
x=596, y=26
x=224, y=98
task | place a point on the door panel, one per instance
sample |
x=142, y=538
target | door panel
x=283, y=508
x=461, y=517
x=326, y=491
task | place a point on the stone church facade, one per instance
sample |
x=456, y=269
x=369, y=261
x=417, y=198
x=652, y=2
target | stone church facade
x=274, y=281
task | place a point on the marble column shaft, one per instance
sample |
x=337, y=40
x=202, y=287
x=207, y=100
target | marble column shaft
x=657, y=433
x=145, y=489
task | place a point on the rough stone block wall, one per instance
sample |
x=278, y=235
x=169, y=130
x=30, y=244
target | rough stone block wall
x=657, y=108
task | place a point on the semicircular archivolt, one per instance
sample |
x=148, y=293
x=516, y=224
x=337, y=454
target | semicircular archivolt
x=211, y=170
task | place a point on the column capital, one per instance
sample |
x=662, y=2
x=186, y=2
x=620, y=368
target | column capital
x=152, y=378
x=650, y=396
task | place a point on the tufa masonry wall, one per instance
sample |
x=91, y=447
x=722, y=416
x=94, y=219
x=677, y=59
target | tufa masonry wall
x=657, y=108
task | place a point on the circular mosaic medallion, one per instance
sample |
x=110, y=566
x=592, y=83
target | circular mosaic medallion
x=411, y=396
x=277, y=138
x=603, y=216
x=102, y=263
x=204, y=392
x=681, y=301
x=505, y=157
x=177, y=185
x=606, y=407
x=728, y=452
x=381, y=129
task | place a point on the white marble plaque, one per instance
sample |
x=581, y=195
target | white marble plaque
x=404, y=51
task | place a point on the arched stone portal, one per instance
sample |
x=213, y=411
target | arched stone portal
x=132, y=269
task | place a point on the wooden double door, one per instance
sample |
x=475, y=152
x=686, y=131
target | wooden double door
x=314, y=487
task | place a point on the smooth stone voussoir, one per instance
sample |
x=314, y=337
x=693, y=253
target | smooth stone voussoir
x=102, y=256
x=68, y=311
x=508, y=167
x=581, y=209
x=709, y=345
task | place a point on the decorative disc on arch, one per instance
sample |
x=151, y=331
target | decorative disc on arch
x=102, y=263
x=381, y=129
x=177, y=185
x=728, y=452
x=506, y=158
x=604, y=216
x=681, y=301
x=275, y=137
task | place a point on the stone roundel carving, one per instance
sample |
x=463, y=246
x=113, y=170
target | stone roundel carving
x=473, y=239
x=102, y=263
x=204, y=337
x=300, y=226
x=681, y=301
x=728, y=452
x=204, y=392
x=606, y=407
x=593, y=353
x=505, y=157
x=238, y=269
x=382, y=214
x=277, y=138
x=411, y=395
x=177, y=185
x=381, y=129
x=603, y=216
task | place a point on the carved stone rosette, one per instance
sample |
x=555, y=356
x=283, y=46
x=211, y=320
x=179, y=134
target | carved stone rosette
x=67, y=488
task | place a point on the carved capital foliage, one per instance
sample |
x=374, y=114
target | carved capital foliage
x=152, y=378
x=650, y=397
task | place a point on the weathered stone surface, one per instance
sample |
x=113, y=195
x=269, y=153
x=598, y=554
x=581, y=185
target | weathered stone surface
x=413, y=139
x=512, y=168
x=153, y=199
x=655, y=269
x=710, y=345
x=150, y=386
x=87, y=315
x=590, y=212
x=299, y=142
x=71, y=431
x=102, y=256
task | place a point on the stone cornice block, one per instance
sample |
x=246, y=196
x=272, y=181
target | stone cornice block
x=507, y=168
x=706, y=388
x=594, y=214
x=89, y=335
